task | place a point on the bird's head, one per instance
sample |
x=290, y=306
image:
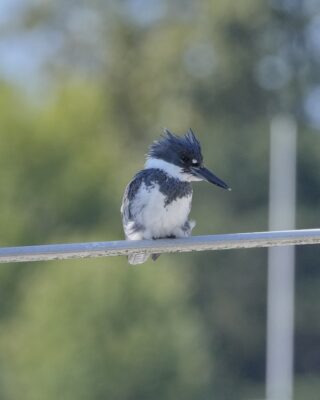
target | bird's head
x=181, y=157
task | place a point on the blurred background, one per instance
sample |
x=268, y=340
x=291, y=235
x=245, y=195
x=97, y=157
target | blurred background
x=84, y=89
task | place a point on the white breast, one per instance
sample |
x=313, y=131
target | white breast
x=159, y=220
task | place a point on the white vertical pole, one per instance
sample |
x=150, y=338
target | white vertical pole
x=280, y=312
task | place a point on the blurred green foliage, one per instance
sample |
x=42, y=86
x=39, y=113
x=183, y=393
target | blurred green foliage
x=190, y=326
x=93, y=331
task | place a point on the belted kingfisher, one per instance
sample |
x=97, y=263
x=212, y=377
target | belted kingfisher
x=157, y=202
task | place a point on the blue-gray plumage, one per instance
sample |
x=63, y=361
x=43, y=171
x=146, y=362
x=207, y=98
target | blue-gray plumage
x=157, y=202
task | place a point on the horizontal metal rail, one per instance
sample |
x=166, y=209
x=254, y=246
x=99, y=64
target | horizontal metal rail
x=194, y=243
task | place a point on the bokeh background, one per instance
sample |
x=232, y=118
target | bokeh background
x=84, y=89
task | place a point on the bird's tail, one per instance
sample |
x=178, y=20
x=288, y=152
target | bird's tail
x=137, y=258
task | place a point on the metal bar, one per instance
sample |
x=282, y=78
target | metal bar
x=194, y=243
x=280, y=310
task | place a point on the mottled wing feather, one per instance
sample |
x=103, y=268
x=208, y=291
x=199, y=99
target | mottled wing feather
x=130, y=226
x=128, y=218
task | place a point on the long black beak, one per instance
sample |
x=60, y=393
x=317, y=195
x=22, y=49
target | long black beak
x=205, y=174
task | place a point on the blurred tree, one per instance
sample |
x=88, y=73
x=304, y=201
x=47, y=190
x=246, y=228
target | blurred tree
x=87, y=332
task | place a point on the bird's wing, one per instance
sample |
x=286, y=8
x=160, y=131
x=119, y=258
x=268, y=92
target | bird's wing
x=128, y=208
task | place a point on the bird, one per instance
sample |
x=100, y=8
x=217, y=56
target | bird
x=157, y=202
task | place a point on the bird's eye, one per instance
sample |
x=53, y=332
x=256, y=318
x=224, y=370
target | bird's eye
x=185, y=159
x=195, y=162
